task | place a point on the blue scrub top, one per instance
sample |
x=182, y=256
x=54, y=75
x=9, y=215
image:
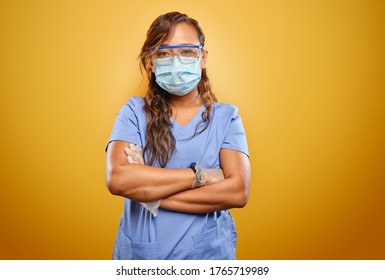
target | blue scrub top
x=176, y=235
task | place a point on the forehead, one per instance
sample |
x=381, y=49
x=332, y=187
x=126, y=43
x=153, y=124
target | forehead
x=183, y=33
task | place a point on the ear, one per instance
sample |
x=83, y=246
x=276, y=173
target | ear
x=204, y=58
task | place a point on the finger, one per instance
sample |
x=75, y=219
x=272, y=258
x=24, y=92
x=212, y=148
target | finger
x=136, y=148
x=133, y=146
x=134, y=152
x=129, y=159
x=139, y=160
x=132, y=158
x=131, y=151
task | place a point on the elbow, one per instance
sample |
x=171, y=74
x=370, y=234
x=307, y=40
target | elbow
x=114, y=181
x=242, y=194
x=112, y=185
x=113, y=189
x=242, y=199
x=126, y=186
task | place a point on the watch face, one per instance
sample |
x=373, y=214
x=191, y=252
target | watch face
x=193, y=166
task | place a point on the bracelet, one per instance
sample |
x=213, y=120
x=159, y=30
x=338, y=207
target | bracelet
x=198, y=181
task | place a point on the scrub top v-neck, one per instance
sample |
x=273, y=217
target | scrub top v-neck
x=180, y=131
x=177, y=235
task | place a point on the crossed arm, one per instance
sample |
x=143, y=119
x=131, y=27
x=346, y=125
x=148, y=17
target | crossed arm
x=143, y=183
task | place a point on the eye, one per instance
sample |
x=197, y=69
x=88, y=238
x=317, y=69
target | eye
x=162, y=54
x=187, y=52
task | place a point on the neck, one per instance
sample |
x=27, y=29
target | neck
x=188, y=100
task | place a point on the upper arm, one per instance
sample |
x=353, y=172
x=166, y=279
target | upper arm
x=235, y=135
x=115, y=157
x=128, y=125
x=126, y=130
x=236, y=167
x=115, y=154
x=234, y=154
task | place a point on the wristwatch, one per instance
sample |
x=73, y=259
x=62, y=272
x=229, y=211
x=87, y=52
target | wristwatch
x=198, y=175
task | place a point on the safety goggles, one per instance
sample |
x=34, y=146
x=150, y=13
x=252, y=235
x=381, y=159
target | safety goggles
x=186, y=54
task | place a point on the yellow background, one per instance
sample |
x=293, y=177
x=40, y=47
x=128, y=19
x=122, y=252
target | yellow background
x=307, y=76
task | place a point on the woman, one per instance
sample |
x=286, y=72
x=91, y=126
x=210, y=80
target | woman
x=178, y=157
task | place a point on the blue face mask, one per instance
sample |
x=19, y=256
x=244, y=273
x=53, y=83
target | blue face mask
x=175, y=77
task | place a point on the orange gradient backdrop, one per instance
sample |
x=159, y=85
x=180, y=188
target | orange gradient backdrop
x=307, y=76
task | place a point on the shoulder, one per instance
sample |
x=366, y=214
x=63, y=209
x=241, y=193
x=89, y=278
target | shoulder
x=225, y=110
x=135, y=102
x=133, y=105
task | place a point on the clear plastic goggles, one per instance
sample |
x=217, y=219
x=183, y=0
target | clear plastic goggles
x=186, y=54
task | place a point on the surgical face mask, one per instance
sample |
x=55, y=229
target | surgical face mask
x=176, y=77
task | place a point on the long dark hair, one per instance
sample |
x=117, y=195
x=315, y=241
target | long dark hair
x=160, y=143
